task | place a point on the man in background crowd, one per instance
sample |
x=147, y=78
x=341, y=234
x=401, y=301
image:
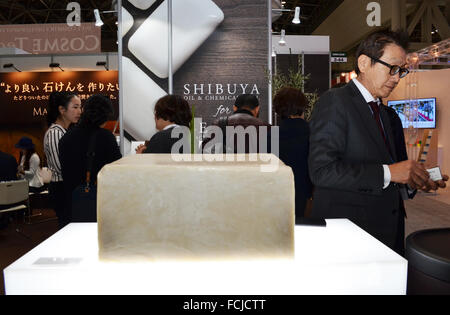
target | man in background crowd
x=245, y=115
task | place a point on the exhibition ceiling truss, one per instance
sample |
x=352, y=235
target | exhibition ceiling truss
x=426, y=20
x=435, y=55
x=54, y=11
x=313, y=13
x=426, y=23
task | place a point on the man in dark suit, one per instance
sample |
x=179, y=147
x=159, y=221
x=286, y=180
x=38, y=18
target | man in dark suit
x=353, y=159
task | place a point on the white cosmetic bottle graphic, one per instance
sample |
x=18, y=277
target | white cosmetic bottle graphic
x=193, y=21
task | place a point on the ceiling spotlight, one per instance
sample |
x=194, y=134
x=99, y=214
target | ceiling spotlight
x=98, y=19
x=10, y=65
x=296, y=19
x=282, y=41
x=55, y=65
x=102, y=63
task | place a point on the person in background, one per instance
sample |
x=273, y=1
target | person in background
x=73, y=148
x=30, y=165
x=245, y=114
x=8, y=172
x=8, y=167
x=289, y=103
x=64, y=109
x=171, y=111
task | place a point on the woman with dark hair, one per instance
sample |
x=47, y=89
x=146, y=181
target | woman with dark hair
x=289, y=103
x=74, y=147
x=64, y=109
x=171, y=111
x=30, y=164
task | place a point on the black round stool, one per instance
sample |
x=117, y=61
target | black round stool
x=428, y=255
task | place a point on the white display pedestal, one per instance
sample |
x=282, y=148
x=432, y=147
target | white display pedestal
x=337, y=259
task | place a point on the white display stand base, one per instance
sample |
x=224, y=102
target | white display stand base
x=337, y=259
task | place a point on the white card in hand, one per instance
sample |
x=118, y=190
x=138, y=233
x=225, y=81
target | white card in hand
x=193, y=22
x=435, y=174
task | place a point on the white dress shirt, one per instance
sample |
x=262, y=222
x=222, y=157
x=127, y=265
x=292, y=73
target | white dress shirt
x=369, y=98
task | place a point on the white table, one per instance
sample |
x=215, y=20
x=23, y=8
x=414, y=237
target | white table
x=337, y=259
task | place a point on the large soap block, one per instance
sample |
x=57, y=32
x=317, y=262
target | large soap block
x=151, y=207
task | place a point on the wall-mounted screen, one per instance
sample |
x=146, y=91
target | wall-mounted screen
x=426, y=112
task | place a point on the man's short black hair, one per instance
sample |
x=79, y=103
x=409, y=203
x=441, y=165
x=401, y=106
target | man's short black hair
x=248, y=101
x=374, y=44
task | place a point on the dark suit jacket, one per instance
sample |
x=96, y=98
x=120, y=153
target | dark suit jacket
x=294, y=150
x=8, y=167
x=162, y=142
x=347, y=152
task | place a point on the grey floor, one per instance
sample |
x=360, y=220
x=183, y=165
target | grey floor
x=427, y=211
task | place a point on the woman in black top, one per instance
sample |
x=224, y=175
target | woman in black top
x=289, y=104
x=73, y=146
x=171, y=111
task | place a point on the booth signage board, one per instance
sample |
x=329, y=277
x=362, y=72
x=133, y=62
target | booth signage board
x=24, y=95
x=338, y=57
x=232, y=61
x=52, y=38
x=220, y=50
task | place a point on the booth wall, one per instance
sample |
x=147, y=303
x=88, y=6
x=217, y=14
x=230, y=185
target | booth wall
x=433, y=83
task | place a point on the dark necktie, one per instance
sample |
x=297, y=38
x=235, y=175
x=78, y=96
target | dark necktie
x=376, y=115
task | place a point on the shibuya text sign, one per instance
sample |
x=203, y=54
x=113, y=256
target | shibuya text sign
x=52, y=38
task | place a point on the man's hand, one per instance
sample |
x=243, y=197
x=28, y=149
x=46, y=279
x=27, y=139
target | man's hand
x=430, y=185
x=409, y=172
